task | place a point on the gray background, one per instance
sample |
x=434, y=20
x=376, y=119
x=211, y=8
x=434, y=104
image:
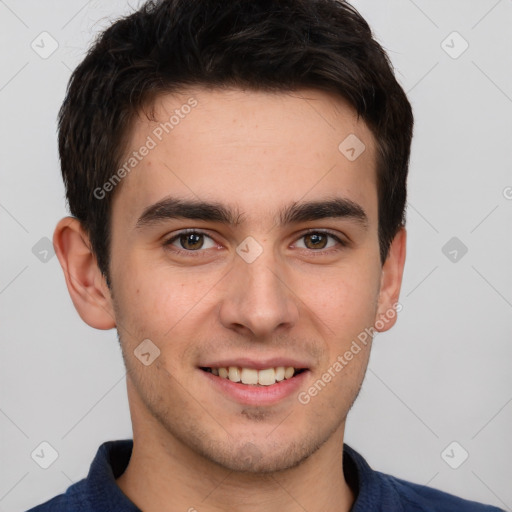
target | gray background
x=441, y=375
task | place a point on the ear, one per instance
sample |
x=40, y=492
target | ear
x=391, y=282
x=86, y=284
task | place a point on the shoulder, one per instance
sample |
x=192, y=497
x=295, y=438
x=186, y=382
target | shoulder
x=421, y=498
x=99, y=490
x=73, y=499
x=386, y=493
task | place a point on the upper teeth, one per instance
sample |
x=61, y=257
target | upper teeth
x=265, y=377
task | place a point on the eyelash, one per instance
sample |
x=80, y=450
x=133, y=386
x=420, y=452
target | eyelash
x=198, y=252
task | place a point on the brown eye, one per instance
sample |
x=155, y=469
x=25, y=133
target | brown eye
x=316, y=240
x=320, y=241
x=191, y=241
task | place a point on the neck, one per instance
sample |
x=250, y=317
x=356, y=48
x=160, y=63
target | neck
x=165, y=475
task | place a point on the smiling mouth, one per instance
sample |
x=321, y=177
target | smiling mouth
x=253, y=377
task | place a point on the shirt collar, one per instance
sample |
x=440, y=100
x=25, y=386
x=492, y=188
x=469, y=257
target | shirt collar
x=109, y=463
x=113, y=457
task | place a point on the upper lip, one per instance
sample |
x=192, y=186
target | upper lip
x=256, y=364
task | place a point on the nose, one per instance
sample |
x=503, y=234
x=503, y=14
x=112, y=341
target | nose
x=257, y=299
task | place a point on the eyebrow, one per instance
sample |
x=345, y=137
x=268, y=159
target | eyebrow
x=174, y=208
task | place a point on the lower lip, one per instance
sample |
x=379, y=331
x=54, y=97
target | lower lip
x=255, y=394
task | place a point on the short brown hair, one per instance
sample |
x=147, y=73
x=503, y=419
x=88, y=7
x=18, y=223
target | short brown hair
x=282, y=45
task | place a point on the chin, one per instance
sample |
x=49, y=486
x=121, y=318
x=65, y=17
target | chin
x=264, y=457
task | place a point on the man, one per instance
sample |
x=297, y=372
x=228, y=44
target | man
x=237, y=173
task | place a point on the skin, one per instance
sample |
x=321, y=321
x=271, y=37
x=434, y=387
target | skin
x=257, y=152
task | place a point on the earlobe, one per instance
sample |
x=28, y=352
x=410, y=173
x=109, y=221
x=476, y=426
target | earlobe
x=86, y=284
x=391, y=282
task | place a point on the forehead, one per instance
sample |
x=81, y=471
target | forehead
x=253, y=149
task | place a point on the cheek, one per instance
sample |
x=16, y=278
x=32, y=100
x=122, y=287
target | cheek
x=346, y=299
x=154, y=302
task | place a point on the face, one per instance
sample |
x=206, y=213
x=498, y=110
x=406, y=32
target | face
x=245, y=238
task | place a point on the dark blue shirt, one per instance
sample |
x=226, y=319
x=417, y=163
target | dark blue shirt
x=375, y=491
